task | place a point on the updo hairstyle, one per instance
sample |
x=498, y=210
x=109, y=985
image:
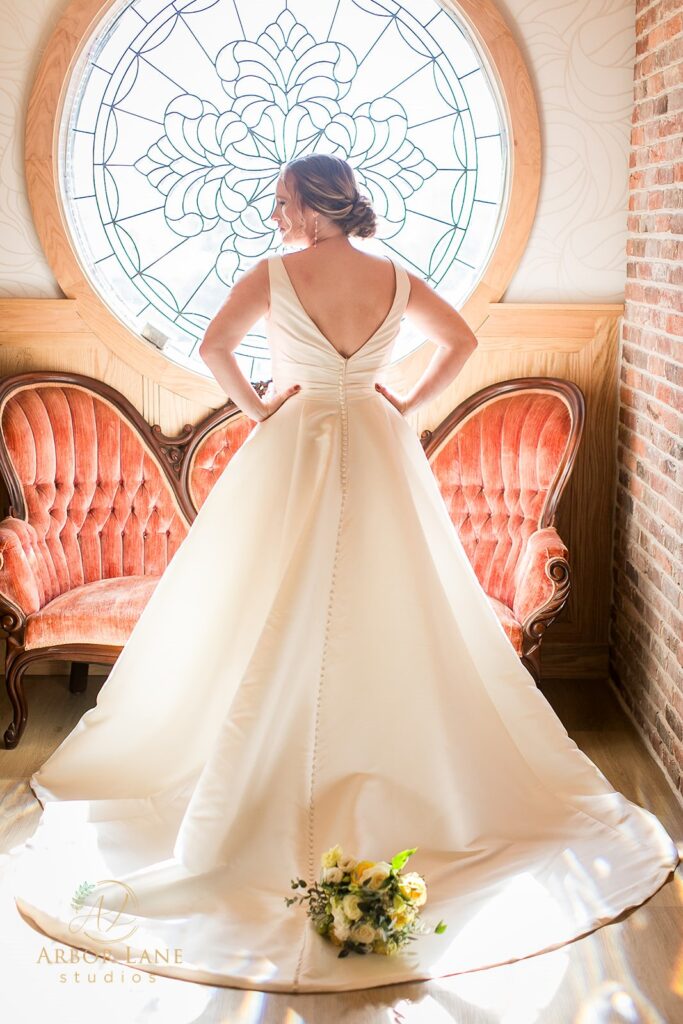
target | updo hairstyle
x=327, y=184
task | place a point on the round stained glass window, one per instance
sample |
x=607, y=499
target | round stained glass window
x=180, y=113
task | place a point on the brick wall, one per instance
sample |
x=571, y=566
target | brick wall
x=647, y=605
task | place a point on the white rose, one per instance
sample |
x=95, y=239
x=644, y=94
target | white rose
x=340, y=930
x=350, y=905
x=363, y=933
x=337, y=907
x=340, y=923
x=346, y=863
x=331, y=857
x=332, y=875
x=374, y=877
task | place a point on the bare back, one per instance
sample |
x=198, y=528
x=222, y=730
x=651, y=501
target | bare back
x=346, y=293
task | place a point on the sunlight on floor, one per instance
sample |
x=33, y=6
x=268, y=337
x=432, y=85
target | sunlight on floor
x=291, y=1017
x=516, y=993
x=250, y=1009
x=426, y=1011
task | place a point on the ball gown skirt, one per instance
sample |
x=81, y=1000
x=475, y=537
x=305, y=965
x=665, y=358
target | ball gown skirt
x=319, y=664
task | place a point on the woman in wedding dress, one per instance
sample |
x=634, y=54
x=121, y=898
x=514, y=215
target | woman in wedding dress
x=319, y=665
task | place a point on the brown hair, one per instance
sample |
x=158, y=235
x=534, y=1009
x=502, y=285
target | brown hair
x=328, y=184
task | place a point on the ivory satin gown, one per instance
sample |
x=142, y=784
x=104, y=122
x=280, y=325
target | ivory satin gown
x=319, y=664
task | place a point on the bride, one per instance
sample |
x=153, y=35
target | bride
x=319, y=666
x=340, y=287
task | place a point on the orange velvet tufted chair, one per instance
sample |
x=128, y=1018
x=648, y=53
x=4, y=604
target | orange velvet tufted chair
x=99, y=502
x=502, y=459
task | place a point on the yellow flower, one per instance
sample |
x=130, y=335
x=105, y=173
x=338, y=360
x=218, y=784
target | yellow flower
x=374, y=876
x=412, y=887
x=330, y=857
x=360, y=868
x=403, y=916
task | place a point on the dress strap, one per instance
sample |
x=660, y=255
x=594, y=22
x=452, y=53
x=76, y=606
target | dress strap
x=402, y=286
x=275, y=280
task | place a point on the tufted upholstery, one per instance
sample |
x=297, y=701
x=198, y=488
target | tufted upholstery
x=502, y=458
x=102, y=612
x=213, y=453
x=97, y=503
x=100, y=501
x=496, y=474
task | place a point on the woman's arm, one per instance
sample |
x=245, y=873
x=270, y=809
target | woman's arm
x=247, y=302
x=442, y=324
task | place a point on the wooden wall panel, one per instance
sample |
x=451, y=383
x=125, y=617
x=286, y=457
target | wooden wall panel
x=577, y=342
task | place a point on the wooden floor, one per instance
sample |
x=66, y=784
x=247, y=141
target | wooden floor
x=630, y=970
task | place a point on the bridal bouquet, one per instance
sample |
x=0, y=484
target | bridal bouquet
x=365, y=906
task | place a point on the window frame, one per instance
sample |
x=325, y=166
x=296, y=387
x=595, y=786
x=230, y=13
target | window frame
x=79, y=22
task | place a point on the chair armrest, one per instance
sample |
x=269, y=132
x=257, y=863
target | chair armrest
x=20, y=592
x=542, y=581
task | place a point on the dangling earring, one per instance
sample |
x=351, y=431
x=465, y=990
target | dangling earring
x=315, y=237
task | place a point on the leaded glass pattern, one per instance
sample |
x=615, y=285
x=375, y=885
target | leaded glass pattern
x=180, y=114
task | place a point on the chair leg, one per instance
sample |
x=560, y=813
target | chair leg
x=532, y=662
x=78, y=676
x=14, y=671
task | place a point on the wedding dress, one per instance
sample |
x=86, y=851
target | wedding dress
x=319, y=664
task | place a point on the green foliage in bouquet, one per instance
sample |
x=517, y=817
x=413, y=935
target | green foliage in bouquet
x=365, y=906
